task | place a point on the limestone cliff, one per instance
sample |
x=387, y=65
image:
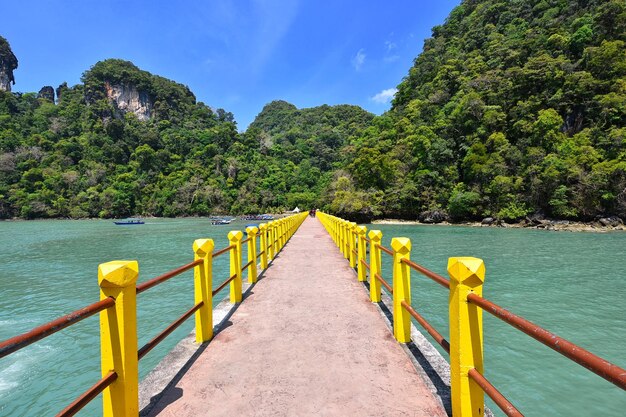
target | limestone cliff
x=127, y=98
x=46, y=93
x=8, y=63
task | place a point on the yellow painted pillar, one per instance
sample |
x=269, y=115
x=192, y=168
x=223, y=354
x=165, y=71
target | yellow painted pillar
x=203, y=288
x=118, y=337
x=275, y=238
x=467, y=275
x=252, y=271
x=270, y=245
x=348, y=235
x=264, y=247
x=344, y=238
x=352, y=244
x=401, y=289
x=362, y=249
x=376, y=237
x=235, y=238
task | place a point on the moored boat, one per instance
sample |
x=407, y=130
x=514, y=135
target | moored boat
x=127, y=222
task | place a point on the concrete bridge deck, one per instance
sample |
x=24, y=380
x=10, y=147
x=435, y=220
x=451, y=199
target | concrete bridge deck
x=306, y=341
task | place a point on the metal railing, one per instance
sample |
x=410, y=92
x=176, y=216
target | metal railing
x=466, y=305
x=118, y=316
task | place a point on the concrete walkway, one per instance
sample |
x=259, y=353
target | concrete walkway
x=306, y=342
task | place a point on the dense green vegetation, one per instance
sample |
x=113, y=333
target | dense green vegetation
x=514, y=107
x=83, y=157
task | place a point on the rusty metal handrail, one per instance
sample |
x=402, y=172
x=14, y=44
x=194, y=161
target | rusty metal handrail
x=428, y=273
x=158, y=338
x=245, y=240
x=218, y=289
x=365, y=264
x=382, y=281
x=367, y=240
x=259, y=254
x=247, y=265
x=493, y=393
x=430, y=329
x=88, y=395
x=223, y=251
x=164, y=277
x=355, y=252
x=384, y=249
x=595, y=364
x=18, y=342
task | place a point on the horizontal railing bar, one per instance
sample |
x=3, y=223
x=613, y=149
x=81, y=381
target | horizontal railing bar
x=158, y=338
x=384, y=249
x=171, y=274
x=260, y=253
x=596, y=364
x=222, y=251
x=18, y=342
x=367, y=240
x=430, y=329
x=355, y=252
x=382, y=281
x=245, y=241
x=493, y=393
x=247, y=265
x=88, y=395
x=365, y=264
x=218, y=289
x=430, y=274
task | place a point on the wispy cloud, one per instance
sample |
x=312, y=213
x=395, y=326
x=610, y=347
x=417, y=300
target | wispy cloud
x=390, y=46
x=384, y=96
x=359, y=59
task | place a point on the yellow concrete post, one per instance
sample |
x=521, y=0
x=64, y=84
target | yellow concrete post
x=235, y=238
x=362, y=250
x=252, y=271
x=467, y=275
x=118, y=337
x=270, y=247
x=275, y=238
x=352, y=243
x=401, y=289
x=203, y=289
x=344, y=239
x=348, y=232
x=264, y=248
x=376, y=237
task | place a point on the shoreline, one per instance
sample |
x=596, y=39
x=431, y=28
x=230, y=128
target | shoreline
x=551, y=225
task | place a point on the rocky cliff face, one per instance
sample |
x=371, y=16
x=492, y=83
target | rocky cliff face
x=8, y=63
x=126, y=98
x=46, y=93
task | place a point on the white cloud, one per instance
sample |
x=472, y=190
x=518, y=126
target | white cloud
x=359, y=59
x=384, y=96
x=390, y=46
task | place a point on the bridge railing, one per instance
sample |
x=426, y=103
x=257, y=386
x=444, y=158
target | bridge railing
x=466, y=304
x=118, y=310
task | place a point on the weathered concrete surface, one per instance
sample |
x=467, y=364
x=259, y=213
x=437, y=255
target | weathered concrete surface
x=306, y=341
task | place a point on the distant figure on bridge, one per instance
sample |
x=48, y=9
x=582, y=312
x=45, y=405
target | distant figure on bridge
x=312, y=212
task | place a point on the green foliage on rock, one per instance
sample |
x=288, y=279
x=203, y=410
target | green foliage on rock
x=512, y=107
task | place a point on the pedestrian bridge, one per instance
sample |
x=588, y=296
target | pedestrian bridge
x=318, y=328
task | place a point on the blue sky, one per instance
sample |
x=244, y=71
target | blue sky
x=238, y=55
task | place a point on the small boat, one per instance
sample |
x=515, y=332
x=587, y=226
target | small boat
x=127, y=222
x=220, y=222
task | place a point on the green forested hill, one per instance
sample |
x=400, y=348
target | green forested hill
x=513, y=107
x=88, y=156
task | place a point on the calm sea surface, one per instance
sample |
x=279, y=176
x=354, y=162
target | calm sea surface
x=573, y=284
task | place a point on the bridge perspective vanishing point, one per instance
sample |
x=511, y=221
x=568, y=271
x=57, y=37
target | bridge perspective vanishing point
x=316, y=334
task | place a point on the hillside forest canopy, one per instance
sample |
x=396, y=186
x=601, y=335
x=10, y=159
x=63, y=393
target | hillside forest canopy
x=512, y=108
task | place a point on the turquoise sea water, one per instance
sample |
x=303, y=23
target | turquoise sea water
x=574, y=284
